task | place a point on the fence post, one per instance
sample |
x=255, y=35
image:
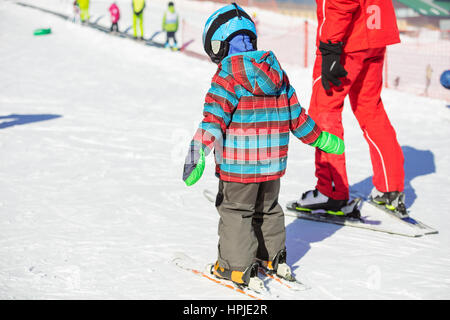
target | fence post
x=306, y=45
x=386, y=85
x=182, y=30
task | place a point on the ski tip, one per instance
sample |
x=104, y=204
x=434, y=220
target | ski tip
x=180, y=256
x=291, y=204
x=209, y=268
x=209, y=195
x=300, y=286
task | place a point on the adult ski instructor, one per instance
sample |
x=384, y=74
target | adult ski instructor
x=352, y=36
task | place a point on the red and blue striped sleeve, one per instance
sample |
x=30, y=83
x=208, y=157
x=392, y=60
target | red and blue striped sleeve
x=220, y=103
x=301, y=124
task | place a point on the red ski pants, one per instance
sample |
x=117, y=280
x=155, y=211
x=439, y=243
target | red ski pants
x=363, y=85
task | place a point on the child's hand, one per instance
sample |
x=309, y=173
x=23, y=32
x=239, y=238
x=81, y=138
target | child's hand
x=194, y=165
x=329, y=143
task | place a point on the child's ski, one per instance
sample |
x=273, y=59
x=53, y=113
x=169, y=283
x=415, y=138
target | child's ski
x=186, y=263
x=209, y=195
x=291, y=285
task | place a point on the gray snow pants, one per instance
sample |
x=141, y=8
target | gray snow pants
x=251, y=223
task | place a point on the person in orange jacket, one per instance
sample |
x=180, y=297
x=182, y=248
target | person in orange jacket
x=352, y=36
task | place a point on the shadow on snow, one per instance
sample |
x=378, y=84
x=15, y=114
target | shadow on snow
x=301, y=233
x=20, y=119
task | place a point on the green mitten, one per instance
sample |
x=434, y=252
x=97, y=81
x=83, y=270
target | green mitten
x=194, y=166
x=329, y=143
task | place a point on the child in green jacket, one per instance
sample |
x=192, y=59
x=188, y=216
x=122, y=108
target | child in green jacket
x=170, y=25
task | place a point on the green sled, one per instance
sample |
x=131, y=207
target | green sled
x=40, y=32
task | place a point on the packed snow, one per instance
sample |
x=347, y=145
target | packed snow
x=93, y=133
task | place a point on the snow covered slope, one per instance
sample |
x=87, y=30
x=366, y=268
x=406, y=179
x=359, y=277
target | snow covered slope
x=93, y=134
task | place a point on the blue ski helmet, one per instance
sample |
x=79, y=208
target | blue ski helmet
x=445, y=79
x=222, y=26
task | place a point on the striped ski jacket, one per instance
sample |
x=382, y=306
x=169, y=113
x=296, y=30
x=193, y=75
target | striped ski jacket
x=249, y=112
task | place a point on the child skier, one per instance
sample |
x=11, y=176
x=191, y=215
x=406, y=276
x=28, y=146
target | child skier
x=138, y=13
x=248, y=114
x=115, y=16
x=76, y=11
x=170, y=25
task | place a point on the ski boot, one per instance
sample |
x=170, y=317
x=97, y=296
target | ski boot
x=279, y=270
x=393, y=201
x=315, y=200
x=278, y=266
x=247, y=278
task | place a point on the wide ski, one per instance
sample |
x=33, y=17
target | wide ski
x=371, y=218
x=404, y=219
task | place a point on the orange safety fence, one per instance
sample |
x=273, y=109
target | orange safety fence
x=415, y=65
x=293, y=44
x=264, y=4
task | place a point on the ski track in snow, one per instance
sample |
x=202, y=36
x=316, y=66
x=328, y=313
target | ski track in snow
x=93, y=133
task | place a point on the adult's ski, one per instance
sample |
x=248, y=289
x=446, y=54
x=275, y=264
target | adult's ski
x=408, y=220
x=371, y=218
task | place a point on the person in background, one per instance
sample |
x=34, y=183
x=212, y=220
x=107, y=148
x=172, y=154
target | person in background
x=396, y=82
x=170, y=26
x=115, y=16
x=255, y=20
x=76, y=11
x=138, y=13
x=84, y=10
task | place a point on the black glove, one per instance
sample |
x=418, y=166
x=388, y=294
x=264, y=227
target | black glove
x=332, y=69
